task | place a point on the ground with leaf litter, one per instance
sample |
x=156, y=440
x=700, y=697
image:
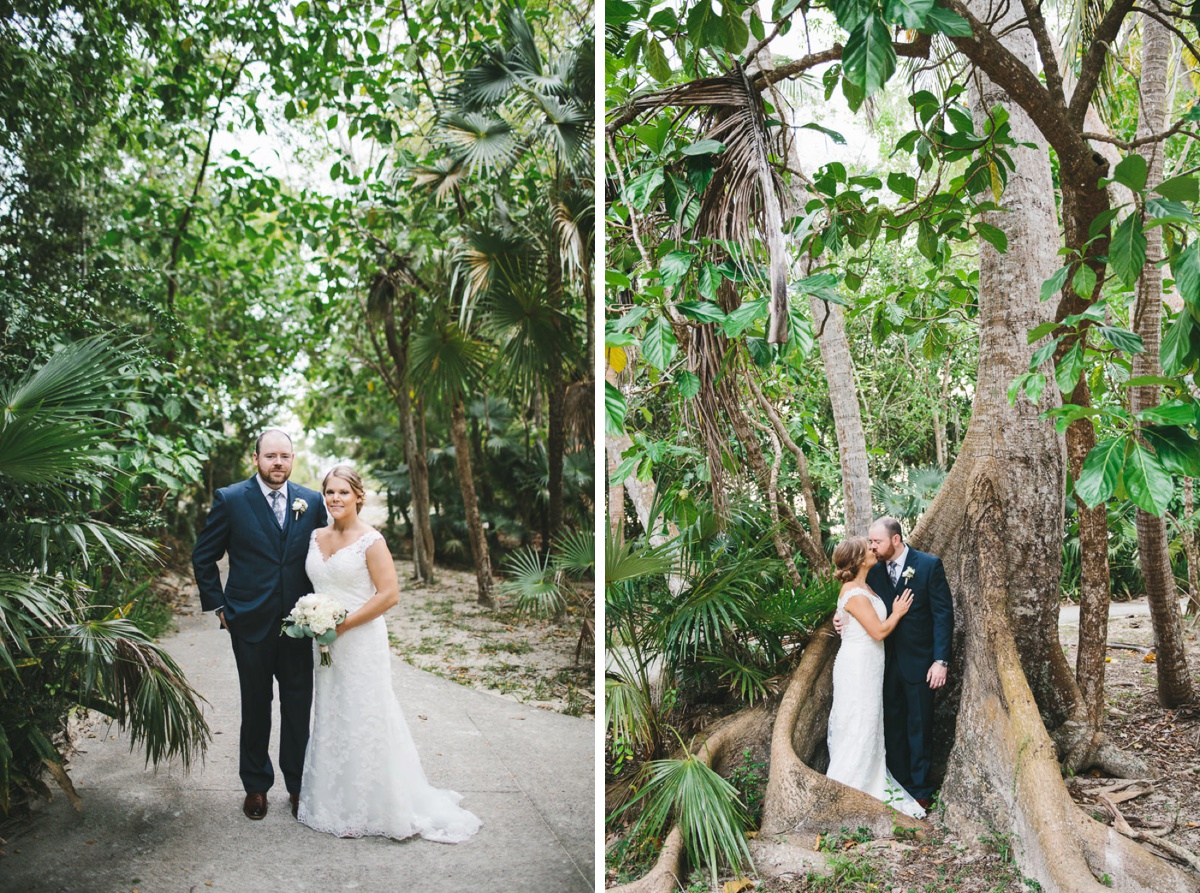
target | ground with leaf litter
x=441, y=629
x=1166, y=803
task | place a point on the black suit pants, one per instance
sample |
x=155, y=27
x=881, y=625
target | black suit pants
x=908, y=730
x=260, y=664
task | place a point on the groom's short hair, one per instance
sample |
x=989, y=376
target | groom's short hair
x=258, y=443
x=892, y=526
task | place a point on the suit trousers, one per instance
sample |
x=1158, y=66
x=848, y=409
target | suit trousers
x=260, y=664
x=908, y=730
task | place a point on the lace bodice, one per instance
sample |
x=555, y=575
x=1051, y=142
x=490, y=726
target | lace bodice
x=344, y=574
x=852, y=630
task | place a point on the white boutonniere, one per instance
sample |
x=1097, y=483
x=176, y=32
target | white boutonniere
x=299, y=506
x=908, y=573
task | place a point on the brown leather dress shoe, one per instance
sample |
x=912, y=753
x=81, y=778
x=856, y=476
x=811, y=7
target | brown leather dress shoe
x=925, y=803
x=255, y=805
x=295, y=798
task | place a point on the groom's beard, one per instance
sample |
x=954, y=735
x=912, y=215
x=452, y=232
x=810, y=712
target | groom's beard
x=275, y=475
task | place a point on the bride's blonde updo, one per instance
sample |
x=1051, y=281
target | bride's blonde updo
x=848, y=557
x=350, y=476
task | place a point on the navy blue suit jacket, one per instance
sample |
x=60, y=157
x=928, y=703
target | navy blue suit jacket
x=266, y=564
x=923, y=634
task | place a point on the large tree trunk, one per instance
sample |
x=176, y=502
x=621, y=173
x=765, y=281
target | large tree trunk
x=466, y=481
x=556, y=433
x=1174, y=682
x=997, y=523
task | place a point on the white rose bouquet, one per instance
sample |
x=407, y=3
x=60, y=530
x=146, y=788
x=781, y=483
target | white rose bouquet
x=316, y=616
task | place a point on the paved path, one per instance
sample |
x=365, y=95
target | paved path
x=529, y=774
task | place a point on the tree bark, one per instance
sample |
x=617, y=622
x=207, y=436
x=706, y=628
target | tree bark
x=556, y=436
x=466, y=482
x=830, y=325
x=1174, y=681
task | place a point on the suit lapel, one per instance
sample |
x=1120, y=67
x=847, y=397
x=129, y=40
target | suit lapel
x=263, y=512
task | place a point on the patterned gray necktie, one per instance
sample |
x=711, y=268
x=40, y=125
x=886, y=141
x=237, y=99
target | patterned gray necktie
x=277, y=506
x=894, y=571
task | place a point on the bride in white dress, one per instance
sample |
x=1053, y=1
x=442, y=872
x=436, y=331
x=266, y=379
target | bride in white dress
x=855, y=738
x=362, y=775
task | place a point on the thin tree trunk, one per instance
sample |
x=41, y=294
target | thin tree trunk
x=418, y=479
x=1190, y=550
x=1174, y=681
x=556, y=437
x=396, y=335
x=466, y=481
x=847, y=417
x=830, y=326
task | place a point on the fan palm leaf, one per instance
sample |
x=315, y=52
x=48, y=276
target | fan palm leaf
x=479, y=140
x=447, y=361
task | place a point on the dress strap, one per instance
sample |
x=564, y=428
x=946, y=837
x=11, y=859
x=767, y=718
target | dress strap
x=857, y=590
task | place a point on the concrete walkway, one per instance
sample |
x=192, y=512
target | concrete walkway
x=529, y=774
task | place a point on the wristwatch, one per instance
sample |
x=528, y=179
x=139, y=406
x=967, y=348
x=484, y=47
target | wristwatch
x=942, y=662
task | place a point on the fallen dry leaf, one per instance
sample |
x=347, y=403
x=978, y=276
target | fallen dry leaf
x=737, y=886
x=1149, y=658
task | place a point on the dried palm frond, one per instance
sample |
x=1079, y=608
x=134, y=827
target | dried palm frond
x=742, y=202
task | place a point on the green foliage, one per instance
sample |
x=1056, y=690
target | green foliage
x=60, y=644
x=705, y=807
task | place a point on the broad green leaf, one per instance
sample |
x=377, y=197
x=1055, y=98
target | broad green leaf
x=1131, y=171
x=688, y=384
x=742, y=317
x=1043, y=353
x=1127, y=253
x=640, y=190
x=909, y=13
x=1067, y=370
x=1103, y=219
x=1178, y=451
x=704, y=147
x=1168, y=211
x=902, y=184
x=1054, y=284
x=1101, y=472
x=1146, y=481
x=1084, y=282
x=701, y=311
x=1122, y=339
x=614, y=411
x=869, y=58
x=1176, y=344
x=944, y=21
x=656, y=61
x=1173, y=412
x=993, y=235
x=1184, y=188
x=1186, y=270
x=674, y=266
x=659, y=345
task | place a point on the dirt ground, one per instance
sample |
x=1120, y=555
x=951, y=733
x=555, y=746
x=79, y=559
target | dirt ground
x=1168, y=740
x=441, y=629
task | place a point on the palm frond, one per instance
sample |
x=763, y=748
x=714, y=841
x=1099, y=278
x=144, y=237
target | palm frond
x=447, y=360
x=706, y=807
x=78, y=382
x=574, y=552
x=443, y=175
x=533, y=580
x=628, y=712
x=479, y=140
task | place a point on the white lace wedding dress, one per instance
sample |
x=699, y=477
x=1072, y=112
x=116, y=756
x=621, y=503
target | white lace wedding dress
x=362, y=776
x=855, y=738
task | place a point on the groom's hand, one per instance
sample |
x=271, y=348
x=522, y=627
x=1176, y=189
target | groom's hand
x=936, y=677
x=837, y=622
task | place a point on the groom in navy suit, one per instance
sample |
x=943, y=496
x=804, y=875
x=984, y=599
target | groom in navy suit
x=263, y=525
x=917, y=653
